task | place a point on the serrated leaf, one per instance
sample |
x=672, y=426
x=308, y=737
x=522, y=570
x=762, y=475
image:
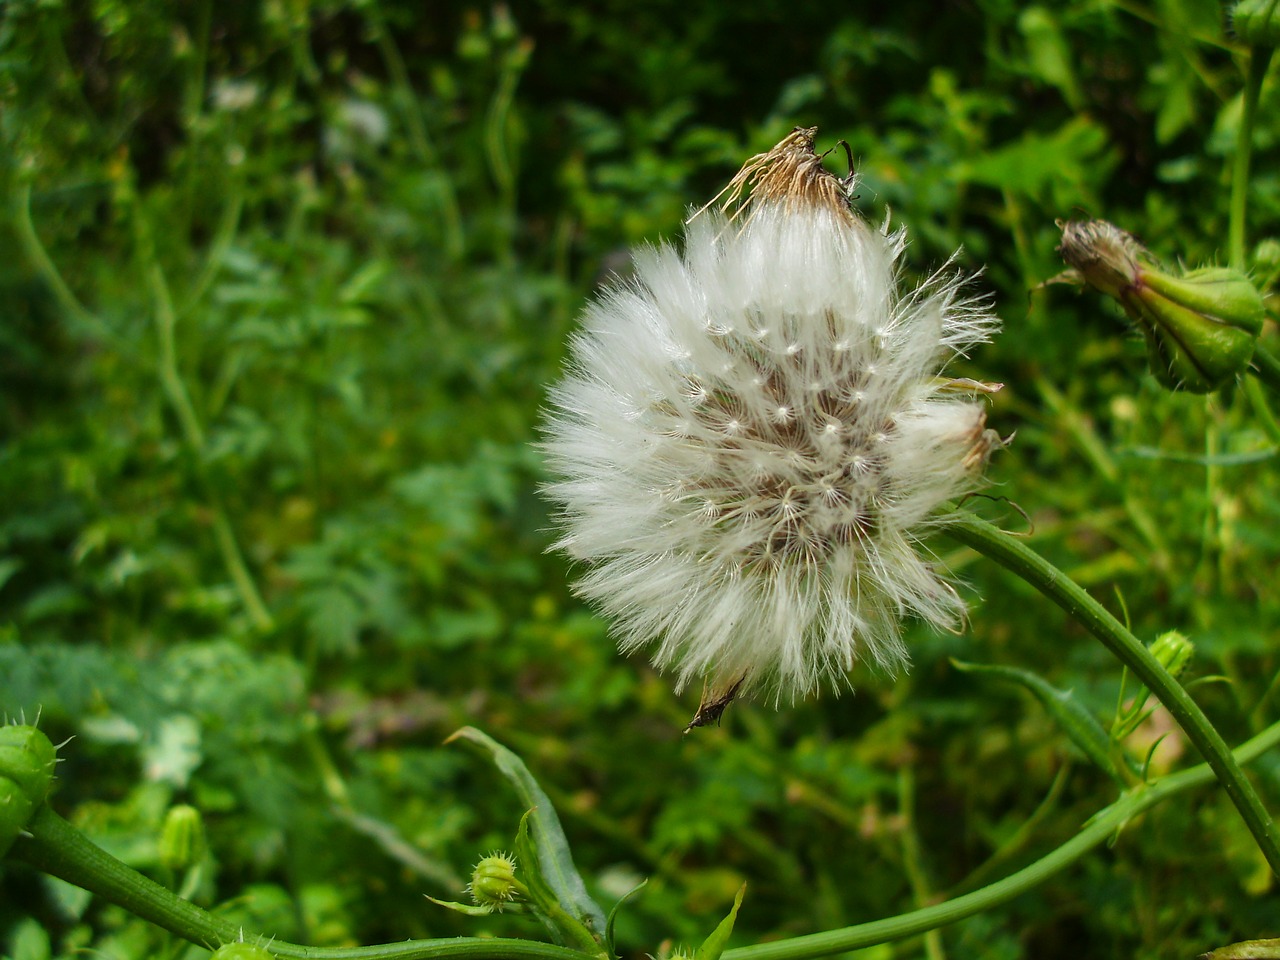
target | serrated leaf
x=550, y=847
x=1072, y=716
x=714, y=945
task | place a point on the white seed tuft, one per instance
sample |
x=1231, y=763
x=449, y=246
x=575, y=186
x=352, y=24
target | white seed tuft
x=801, y=440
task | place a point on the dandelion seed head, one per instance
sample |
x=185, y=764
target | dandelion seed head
x=771, y=380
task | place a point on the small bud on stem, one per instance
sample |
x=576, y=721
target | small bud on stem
x=1200, y=328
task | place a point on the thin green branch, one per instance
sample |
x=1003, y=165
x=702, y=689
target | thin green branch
x=48, y=270
x=1266, y=367
x=1262, y=409
x=1259, y=60
x=1099, y=829
x=59, y=849
x=1016, y=556
x=53, y=846
x=175, y=390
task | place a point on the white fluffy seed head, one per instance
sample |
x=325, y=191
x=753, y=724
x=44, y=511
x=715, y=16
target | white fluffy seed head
x=753, y=436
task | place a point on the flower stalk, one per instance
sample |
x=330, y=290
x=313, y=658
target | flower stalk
x=1016, y=556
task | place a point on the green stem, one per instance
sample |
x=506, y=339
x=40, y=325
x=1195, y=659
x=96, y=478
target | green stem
x=59, y=849
x=419, y=138
x=53, y=846
x=48, y=270
x=175, y=389
x=1266, y=367
x=1259, y=59
x=1019, y=558
x=1262, y=409
x=1099, y=829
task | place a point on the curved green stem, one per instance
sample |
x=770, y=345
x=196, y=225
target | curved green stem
x=1259, y=59
x=57, y=848
x=1019, y=558
x=1262, y=409
x=48, y=270
x=1096, y=831
x=1266, y=367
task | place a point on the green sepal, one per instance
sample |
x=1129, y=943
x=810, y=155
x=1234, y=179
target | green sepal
x=613, y=916
x=714, y=945
x=1200, y=329
x=475, y=910
x=27, y=761
x=1257, y=22
x=15, y=812
x=1081, y=726
x=1225, y=296
x=549, y=855
x=28, y=758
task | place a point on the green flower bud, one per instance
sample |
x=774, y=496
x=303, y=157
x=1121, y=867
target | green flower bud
x=1173, y=650
x=493, y=882
x=242, y=951
x=27, y=759
x=1257, y=22
x=1200, y=328
x=182, y=843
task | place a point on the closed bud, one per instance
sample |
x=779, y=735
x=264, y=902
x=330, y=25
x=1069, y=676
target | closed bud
x=1174, y=651
x=1200, y=328
x=27, y=759
x=493, y=882
x=182, y=843
x=1257, y=22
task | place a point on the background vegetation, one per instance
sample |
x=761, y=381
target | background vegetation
x=281, y=287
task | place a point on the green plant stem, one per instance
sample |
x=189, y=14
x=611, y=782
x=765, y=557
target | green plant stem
x=913, y=857
x=1259, y=59
x=1262, y=409
x=1019, y=558
x=59, y=849
x=1266, y=367
x=48, y=270
x=1096, y=831
x=193, y=436
x=419, y=138
x=54, y=846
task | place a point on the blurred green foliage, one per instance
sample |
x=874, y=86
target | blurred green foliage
x=283, y=284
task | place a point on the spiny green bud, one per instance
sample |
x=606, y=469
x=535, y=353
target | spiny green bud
x=27, y=759
x=1257, y=22
x=242, y=951
x=182, y=843
x=1173, y=650
x=493, y=882
x=1200, y=328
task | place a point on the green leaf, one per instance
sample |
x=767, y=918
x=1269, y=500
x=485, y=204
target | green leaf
x=1075, y=719
x=470, y=909
x=565, y=929
x=554, y=861
x=714, y=945
x=613, y=915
